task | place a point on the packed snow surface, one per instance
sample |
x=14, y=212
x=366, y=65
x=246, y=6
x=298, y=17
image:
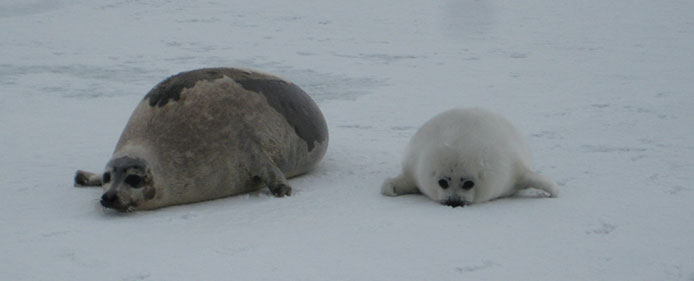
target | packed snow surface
x=602, y=90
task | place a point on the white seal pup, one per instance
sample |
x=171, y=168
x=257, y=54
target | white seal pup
x=211, y=133
x=465, y=156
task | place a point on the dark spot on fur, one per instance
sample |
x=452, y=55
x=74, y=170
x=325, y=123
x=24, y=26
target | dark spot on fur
x=300, y=111
x=106, y=177
x=122, y=171
x=123, y=163
x=171, y=88
x=294, y=104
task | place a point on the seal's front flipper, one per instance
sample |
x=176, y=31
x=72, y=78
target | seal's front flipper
x=399, y=185
x=534, y=180
x=84, y=178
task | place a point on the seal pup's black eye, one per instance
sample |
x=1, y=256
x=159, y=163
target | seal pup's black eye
x=443, y=183
x=133, y=180
x=106, y=178
x=468, y=185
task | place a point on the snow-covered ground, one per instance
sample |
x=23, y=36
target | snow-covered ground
x=601, y=89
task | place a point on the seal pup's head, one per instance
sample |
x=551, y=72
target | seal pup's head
x=456, y=191
x=452, y=178
x=128, y=184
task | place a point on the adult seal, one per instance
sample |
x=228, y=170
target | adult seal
x=465, y=156
x=211, y=133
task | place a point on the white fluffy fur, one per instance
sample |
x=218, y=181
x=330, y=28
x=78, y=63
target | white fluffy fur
x=463, y=145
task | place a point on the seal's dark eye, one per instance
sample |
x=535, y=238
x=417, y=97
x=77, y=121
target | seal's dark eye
x=443, y=183
x=106, y=178
x=468, y=184
x=133, y=180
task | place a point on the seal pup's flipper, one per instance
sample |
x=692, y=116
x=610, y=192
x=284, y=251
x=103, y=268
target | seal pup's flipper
x=535, y=180
x=399, y=185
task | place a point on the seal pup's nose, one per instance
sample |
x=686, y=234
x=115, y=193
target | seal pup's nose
x=454, y=201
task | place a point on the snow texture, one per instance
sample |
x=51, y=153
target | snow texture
x=602, y=90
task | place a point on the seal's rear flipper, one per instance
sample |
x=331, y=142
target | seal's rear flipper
x=84, y=178
x=272, y=177
x=534, y=180
x=275, y=181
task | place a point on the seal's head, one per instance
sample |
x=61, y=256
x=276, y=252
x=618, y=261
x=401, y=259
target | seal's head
x=451, y=178
x=455, y=191
x=128, y=184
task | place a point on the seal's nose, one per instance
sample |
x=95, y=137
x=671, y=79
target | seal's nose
x=108, y=199
x=454, y=201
